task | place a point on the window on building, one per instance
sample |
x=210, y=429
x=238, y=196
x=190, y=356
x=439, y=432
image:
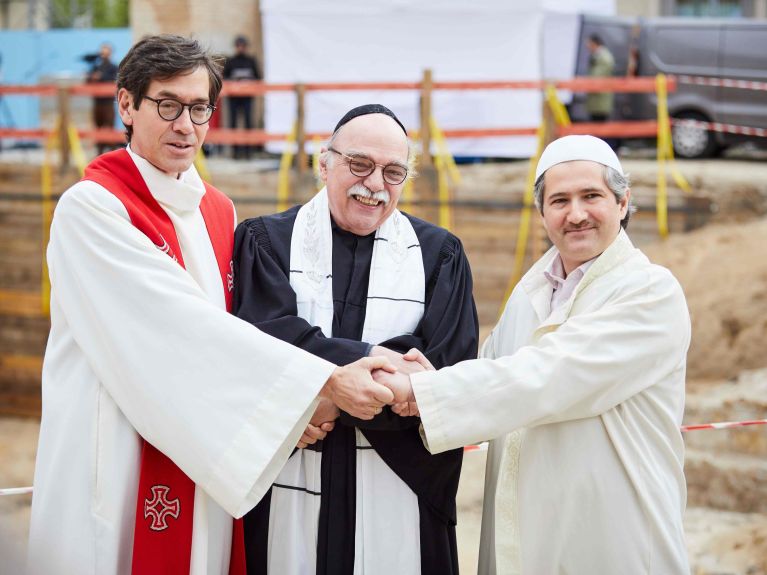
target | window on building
x=709, y=8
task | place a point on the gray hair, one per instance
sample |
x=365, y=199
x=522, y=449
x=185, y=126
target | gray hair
x=328, y=156
x=618, y=183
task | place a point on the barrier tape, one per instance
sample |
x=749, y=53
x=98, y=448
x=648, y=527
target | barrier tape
x=16, y=491
x=719, y=127
x=723, y=425
x=684, y=429
x=722, y=82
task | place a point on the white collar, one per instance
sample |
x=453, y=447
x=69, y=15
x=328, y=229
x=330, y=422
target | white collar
x=182, y=194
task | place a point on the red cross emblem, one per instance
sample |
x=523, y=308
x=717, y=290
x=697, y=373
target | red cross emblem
x=230, y=276
x=159, y=508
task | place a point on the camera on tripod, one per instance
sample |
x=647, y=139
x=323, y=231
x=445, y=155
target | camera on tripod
x=91, y=58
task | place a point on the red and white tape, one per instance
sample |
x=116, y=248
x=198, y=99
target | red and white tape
x=684, y=429
x=719, y=127
x=722, y=82
x=724, y=425
x=15, y=491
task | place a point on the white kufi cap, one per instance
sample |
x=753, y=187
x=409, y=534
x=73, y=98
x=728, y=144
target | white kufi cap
x=572, y=148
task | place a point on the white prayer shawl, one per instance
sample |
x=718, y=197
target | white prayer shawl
x=586, y=473
x=395, y=304
x=142, y=347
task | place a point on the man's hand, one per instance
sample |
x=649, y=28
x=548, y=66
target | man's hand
x=413, y=361
x=415, y=355
x=321, y=423
x=326, y=412
x=398, y=383
x=352, y=388
x=313, y=434
x=408, y=363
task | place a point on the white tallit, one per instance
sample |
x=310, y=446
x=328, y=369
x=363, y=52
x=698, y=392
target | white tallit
x=395, y=304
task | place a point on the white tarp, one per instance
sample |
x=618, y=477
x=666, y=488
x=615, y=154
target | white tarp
x=395, y=40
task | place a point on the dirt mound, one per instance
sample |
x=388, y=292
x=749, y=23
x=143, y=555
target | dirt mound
x=723, y=271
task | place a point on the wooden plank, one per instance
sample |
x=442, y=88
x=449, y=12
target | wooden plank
x=21, y=303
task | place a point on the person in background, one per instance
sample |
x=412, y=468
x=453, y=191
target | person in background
x=599, y=105
x=241, y=66
x=103, y=70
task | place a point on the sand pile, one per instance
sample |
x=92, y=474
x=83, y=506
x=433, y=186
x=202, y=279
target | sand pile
x=723, y=271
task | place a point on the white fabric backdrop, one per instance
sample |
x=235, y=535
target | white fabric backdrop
x=395, y=40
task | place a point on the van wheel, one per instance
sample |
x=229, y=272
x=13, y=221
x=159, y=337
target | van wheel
x=693, y=141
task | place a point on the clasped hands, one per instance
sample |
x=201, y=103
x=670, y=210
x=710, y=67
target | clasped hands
x=364, y=387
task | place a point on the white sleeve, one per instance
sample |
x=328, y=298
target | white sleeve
x=590, y=364
x=226, y=402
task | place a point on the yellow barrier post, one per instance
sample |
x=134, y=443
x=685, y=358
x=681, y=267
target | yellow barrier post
x=283, y=179
x=407, y=191
x=446, y=170
x=661, y=197
x=202, y=165
x=665, y=153
x=76, y=148
x=316, y=147
x=553, y=109
x=46, y=206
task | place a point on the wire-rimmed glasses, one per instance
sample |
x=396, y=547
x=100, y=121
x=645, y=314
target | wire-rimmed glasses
x=362, y=167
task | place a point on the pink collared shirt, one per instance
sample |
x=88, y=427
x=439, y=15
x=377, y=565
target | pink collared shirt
x=564, y=286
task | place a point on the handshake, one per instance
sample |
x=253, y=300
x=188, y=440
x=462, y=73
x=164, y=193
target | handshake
x=364, y=387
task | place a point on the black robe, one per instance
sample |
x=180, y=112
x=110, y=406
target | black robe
x=447, y=334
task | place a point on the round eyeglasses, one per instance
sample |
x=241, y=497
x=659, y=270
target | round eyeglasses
x=170, y=109
x=362, y=167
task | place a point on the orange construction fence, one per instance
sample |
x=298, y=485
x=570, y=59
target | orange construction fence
x=256, y=88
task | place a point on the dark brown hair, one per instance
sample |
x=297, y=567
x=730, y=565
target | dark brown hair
x=163, y=57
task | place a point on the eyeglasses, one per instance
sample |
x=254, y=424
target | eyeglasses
x=170, y=109
x=362, y=167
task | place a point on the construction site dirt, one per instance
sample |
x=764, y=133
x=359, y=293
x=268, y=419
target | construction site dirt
x=715, y=249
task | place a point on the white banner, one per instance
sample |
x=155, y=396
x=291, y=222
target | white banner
x=395, y=41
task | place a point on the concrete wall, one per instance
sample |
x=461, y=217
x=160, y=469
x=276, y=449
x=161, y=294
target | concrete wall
x=216, y=24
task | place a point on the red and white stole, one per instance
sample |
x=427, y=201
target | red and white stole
x=162, y=541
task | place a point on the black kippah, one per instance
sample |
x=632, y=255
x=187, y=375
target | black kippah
x=364, y=111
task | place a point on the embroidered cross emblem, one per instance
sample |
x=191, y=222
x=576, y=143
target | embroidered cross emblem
x=230, y=276
x=159, y=508
x=165, y=248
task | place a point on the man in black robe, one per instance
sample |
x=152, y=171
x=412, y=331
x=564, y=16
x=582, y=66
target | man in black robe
x=364, y=167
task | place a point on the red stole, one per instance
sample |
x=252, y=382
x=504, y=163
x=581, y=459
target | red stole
x=162, y=541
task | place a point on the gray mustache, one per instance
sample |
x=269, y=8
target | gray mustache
x=363, y=192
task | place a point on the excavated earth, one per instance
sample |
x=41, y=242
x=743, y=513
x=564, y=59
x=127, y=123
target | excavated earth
x=723, y=271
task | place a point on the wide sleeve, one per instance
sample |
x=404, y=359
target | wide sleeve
x=223, y=400
x=590, y=364
x=263, y=297
x=449, y=330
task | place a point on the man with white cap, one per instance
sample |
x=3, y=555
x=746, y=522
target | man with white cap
x=582, y=387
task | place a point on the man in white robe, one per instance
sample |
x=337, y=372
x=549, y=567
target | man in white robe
x=142, y=349
x=581, y=384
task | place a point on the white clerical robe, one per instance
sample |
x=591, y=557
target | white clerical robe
x=140, y=347
x=586, y=473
